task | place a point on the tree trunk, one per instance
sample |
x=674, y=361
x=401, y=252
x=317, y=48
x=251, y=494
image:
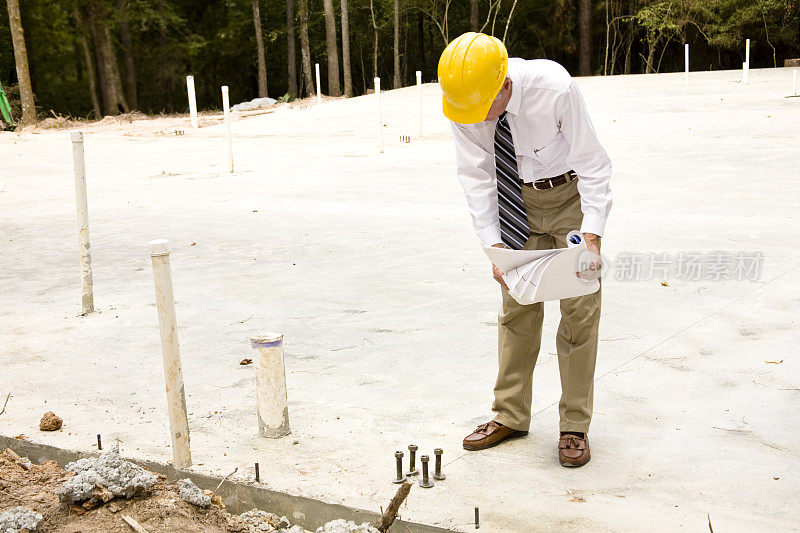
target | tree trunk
x=262, y=60
x=21, y=59
x=87, y=57
x=651, y=50
x=291, y=57
x=334, y=87
x=375, y=46
x=348, y=75
x=473, y=15
x=304, y=49
x=626, y=69
x=127, y=53
x=165, y=73
x=508, y=20
x=113, y=99
x=585, y=37
x=397, y=82
x=421, y=42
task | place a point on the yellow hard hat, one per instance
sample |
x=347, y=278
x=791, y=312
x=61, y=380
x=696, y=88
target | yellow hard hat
x=472, y=70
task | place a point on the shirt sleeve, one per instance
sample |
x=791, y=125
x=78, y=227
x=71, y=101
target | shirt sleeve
x=476, y=172
x=588, y=159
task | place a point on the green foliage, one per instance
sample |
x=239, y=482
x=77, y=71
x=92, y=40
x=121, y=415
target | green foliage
x=214, y=40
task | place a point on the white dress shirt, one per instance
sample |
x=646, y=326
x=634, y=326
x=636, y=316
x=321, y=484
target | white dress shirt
x=552, y=135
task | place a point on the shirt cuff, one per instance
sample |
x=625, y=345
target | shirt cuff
x=593, y=224
x=490, y=235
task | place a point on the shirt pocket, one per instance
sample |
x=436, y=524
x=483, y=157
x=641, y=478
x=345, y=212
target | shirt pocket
x=535, y=159
x=542, y=152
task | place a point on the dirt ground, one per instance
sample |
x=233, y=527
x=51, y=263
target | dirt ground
x=160, y=510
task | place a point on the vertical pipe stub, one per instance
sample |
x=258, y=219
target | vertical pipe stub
x=380, y=113
x=271, y=395
x=398, y=455
x=81, y=204
x=170, y=351
x=159, y=247
x=412, y=460
x=192, y=101
x=419, y=103
x=319, y=84
x=437, y=471
x=425, y=482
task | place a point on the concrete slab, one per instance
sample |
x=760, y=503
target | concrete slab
x=368, y=265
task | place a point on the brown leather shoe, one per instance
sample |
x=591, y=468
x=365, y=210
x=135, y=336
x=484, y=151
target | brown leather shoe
x=490, y=434
x=573, y=450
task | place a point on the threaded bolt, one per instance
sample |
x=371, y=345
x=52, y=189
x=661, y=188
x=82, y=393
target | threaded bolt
x=398, y=455
x=437, y=472
x=425, y=482
x=412, y=460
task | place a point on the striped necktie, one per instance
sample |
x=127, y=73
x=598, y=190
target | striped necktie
x=514, y=228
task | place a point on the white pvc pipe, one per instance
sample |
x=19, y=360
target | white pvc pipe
x=794, y=83
x=271, y=397
x=192, y=101
x=745, y=68
x=686, y=60
x=747, y=52
x=170, y=350
x=319, y=86
x=87, y=294
x=380, y=114
x=419, y=102
x=226, y=108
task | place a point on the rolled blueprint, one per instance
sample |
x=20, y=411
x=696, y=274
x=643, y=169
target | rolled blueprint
x=541, y=275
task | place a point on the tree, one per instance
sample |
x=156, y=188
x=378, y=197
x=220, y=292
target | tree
x=305, y=53
x=473, y=15
x=659, y=23
x=585, y=37
x=375, y=39
x=262, y=61
x=21, y=59
x=127, y=52
x=334, y=88
x=397, y=82
x=348, y=76
x=291, y=55
x=87, y=58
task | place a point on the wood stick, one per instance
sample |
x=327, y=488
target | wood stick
x=223, y=481
x=6, y=402
x=134, y=524
x=390, y=513
x=17, y=459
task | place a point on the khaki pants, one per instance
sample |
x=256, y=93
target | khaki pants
x=552, y=213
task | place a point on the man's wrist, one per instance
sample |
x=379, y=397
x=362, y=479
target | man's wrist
x=591, y=237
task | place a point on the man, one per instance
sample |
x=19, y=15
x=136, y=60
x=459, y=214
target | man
x=532, y=170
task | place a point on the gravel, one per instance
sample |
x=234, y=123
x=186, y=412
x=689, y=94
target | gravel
x=16, y=519
x=342, y=526
x=191, y=493
x=121, y=477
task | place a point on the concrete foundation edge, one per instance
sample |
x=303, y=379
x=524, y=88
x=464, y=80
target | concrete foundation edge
x=238, y=497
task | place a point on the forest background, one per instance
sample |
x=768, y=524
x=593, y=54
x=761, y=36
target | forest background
x=92, y=58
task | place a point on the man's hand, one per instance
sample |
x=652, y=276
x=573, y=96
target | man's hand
x=496, y=272
x=595, y=260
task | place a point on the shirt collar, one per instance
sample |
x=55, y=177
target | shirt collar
x=516, y=90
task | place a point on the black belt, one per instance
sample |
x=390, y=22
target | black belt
x=549, y=183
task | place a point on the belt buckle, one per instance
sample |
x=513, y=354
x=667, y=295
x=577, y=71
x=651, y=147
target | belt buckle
x=547, y=180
